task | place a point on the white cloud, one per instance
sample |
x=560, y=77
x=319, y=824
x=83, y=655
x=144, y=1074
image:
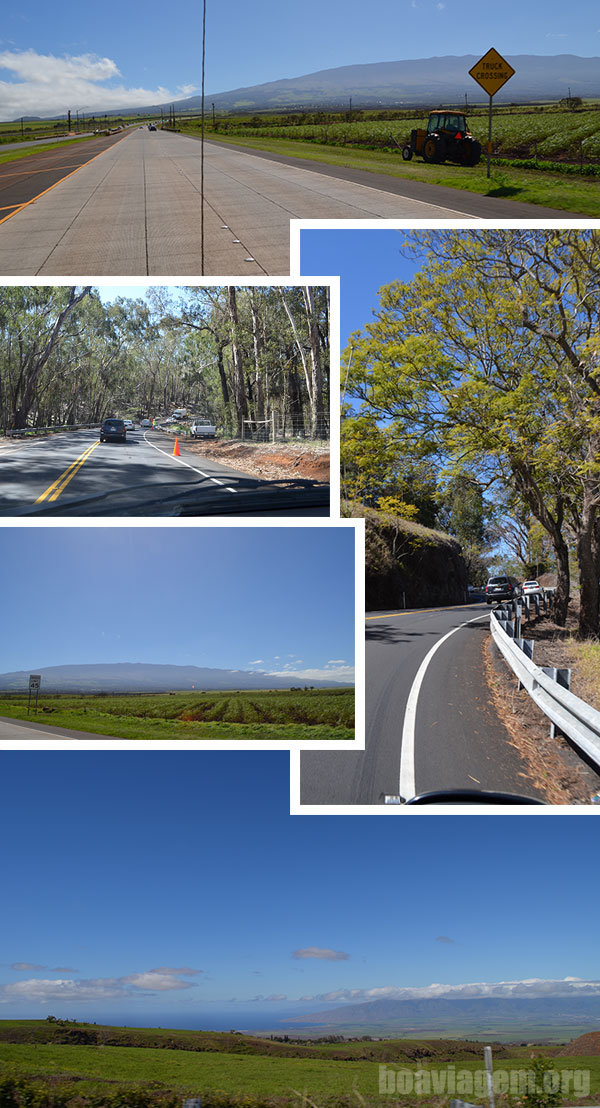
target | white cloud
x=344, y=674
x=533, y=987
x=321, y=952
x=30, y=967
x=47, y=85
x=100, y=988
x=258, y=662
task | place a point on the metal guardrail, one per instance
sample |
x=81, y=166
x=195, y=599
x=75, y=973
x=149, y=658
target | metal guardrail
x=18, y=432
x=567, y=712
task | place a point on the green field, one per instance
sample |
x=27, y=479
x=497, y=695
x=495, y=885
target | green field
x=227, y=1069
x=278, y=714
x=541, y=155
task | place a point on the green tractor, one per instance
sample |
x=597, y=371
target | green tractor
x=447, y=138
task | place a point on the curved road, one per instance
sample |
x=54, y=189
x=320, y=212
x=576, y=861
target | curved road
x=429, y=720
x=75, y=474
x=134, y=208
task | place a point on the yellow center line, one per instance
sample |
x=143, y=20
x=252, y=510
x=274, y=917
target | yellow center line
x=58, y=486
x=415, y=611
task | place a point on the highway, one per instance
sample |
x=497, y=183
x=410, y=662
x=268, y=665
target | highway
x=134, y=207
x=73, y=473
x=430, y=723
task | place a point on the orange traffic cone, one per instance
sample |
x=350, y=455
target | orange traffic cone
x=176, y=449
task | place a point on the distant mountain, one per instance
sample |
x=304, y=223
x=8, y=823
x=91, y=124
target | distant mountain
x=143, y=677
x=464, y=1016
x=426, y=82
x=413, y=83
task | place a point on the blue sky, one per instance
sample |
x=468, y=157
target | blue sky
x=365, y=261
x=274, y=599
x=172, y=883
x=82, y=57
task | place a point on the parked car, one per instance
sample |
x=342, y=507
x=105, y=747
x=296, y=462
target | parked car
x=502, y=587
x=203, y=429
x=113, y=430
x=532, y=588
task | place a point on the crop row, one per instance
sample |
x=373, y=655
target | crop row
x=555, y=134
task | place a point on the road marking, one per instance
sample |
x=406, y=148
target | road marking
x=407, y=787
x=21, y=207
x=181, y=461
x=416, y=611
x=58, y=486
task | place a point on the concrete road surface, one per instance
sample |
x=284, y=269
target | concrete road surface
x=76, y=474
x=135, y=209
x=441, y=734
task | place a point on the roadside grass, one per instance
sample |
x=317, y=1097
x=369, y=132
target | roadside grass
x=99, y=1069
x=527, y=186
x=587, y=655
x=319, y=714
x=18, y=155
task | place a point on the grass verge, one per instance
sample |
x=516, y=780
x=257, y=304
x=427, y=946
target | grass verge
x=530, y=187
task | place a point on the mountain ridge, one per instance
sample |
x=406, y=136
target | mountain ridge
x=149, y=677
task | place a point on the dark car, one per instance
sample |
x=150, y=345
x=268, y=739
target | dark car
x=502, y=588
x=113, y=430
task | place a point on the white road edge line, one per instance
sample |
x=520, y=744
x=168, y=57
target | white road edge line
x=407, y=786
x=181, y=461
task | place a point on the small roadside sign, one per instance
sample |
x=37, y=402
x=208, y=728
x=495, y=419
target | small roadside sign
x=35, y=680
x=491, y=72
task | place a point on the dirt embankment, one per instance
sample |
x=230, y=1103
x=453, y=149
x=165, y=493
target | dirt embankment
x=408, y=565
x=270, y=461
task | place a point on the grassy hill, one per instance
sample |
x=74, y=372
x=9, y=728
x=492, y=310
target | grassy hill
x=64, y=1064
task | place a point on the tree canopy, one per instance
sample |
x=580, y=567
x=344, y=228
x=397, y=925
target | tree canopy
x=232, y=354
x=488, y=362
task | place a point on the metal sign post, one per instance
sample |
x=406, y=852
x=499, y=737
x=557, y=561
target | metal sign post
x=35, y=681
x=487, y=1053
x=491, y=72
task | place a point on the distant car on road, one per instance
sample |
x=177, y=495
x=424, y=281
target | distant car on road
x=151, y=127
x=113, y=430
x=129, y=425
x=145, y=423
x=502, y=588
x=532, y=588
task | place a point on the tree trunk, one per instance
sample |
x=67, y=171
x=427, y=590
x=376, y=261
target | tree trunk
x=588, y=574
x=239, y=394
x=317, y=413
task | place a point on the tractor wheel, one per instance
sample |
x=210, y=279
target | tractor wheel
x=433, y=149
x=430, y=150
x=407, y=153
x=470, y=153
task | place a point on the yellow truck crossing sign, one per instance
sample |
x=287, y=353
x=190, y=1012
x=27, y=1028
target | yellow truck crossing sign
x=491, y=72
